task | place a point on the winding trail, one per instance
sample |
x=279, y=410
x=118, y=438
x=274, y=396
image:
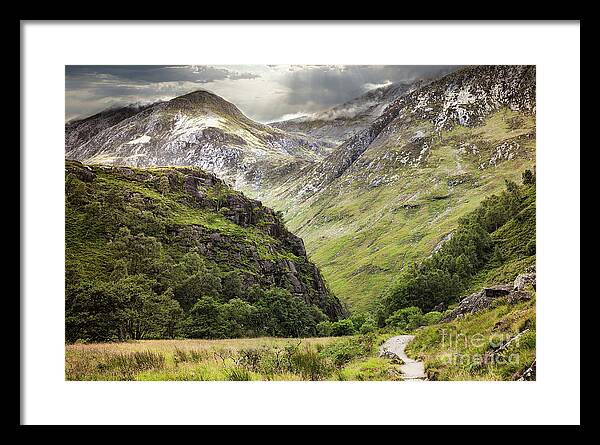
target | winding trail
x=411, y=369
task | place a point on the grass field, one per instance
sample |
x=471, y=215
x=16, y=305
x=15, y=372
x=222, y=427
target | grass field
x=327, y=358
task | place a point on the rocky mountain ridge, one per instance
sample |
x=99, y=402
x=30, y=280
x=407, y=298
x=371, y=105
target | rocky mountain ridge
x=198, y=129
x=410, y=125
x=391, y=193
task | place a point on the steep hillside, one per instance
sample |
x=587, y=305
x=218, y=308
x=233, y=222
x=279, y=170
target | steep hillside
x=471, y=306
x=334, y=125
x=172, y=251
x=490, y=246
x=198, y=129
x=390, y=194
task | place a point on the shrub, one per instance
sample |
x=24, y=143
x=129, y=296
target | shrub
x=309, y=364
x=342, y=327
x=237, y=374
x=250, y=358
x=369, y=325
x=407, y=318
x=358, y=320
x=343, y=351
x=528, y=177
x=324, y=328
x=431, y=318
x=125, y=366
x=193, y=355
x=205, y=319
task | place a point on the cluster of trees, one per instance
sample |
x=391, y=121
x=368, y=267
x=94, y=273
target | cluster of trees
x=412, y=317
x=443, y=276
x=275, y=312
x=145, y=289
x=135, y=307
x=148, y=295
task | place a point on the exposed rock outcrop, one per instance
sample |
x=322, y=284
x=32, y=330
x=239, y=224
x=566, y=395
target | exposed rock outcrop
x=483, y=299
x=523, y=280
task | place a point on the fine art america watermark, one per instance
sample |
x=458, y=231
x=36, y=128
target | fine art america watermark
x=495, y=348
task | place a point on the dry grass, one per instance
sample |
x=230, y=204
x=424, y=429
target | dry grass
x=232, y=359
x=169, y=346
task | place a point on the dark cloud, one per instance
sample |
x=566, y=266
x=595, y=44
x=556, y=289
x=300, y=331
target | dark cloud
x=331, y=85
x=155, y=73
x=92, y=88
x=263, y=92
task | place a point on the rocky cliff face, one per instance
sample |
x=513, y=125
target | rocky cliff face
x=80, y=131
x=192, y=210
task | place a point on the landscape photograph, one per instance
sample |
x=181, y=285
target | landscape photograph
x=300, y=222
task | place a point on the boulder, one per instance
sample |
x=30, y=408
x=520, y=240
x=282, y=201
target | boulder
x=479, y=301
x=190, y=186
x=523, y=280
x=528, y=374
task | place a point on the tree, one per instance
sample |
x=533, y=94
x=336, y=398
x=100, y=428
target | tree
x=202, y=283
x=91, y=312
x=169, y=316
x=139, y=253
x=232, y=285
x=205, y=319
x=143, y=313
x=324, y=328
x=285, y=315
x=369, y=325
x=240, y=318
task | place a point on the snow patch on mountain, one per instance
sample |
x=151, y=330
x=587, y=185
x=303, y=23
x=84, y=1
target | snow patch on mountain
x=141, y=140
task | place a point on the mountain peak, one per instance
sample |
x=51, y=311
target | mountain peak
x=207, y=101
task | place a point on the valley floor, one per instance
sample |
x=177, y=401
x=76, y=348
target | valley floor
x=325, y=358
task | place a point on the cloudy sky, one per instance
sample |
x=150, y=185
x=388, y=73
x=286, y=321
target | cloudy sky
x=265, y=93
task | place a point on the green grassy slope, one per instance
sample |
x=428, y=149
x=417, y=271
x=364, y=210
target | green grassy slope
x=362, y=235
x=457, y=350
